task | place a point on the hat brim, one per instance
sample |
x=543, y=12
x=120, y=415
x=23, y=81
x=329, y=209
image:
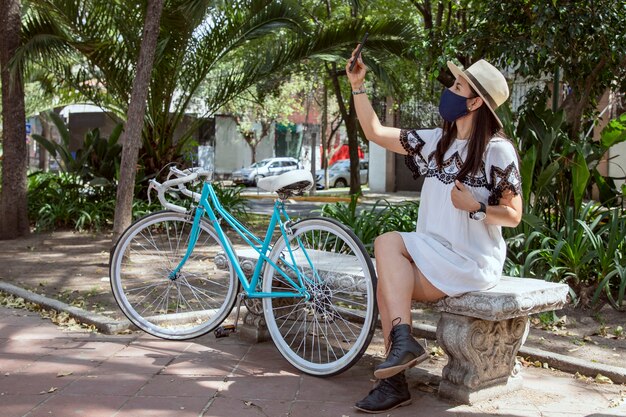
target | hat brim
x=458, y=72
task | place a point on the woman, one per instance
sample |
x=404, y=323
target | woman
x=472, y=188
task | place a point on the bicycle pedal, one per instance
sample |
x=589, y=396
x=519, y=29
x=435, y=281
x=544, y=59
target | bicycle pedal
x=224, y=331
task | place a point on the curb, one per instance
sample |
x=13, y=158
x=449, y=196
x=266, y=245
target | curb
x=105, y=325
x=109, y=326
x=554, y=360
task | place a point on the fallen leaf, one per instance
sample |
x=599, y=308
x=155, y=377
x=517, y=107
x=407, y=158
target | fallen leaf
x=61, y=374
x=52, y=389
x=601, y=379
x=579, y=376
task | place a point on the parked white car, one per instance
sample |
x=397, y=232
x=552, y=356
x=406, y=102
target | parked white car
x=339, y=174
x=264, y=168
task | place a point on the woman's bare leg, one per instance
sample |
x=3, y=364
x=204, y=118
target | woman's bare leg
x=399, y=282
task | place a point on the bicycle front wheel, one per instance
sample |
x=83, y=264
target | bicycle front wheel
x=327, y=333
x=172, y=305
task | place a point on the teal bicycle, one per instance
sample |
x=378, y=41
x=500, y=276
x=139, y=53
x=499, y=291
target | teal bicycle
x=176, y=274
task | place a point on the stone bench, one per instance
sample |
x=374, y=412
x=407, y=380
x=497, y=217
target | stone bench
x=481, y=332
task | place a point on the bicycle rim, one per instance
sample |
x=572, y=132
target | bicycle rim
x=328, y=333
x=178, y=306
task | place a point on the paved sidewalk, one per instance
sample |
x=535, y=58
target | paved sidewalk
x=45, y=371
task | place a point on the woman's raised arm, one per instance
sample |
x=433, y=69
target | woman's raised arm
x=387, y=137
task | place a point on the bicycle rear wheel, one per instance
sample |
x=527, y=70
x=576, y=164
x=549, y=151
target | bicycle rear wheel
x=182, y=306
x=328, y=333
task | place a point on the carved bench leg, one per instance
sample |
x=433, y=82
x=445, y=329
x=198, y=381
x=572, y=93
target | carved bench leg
x=253, y=329
x=481, y=356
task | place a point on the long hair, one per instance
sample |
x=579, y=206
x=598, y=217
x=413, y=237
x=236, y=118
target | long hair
x=486, y=126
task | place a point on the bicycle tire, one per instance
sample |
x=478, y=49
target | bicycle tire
x=328, y=333
x=188, y=305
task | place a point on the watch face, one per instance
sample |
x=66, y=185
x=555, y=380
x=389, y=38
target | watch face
x=479, y=215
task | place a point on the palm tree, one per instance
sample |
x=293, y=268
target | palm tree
x=131, y=138
x=13, y=200
x=200, y=41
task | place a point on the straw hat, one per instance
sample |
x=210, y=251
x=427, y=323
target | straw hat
x=487, y=81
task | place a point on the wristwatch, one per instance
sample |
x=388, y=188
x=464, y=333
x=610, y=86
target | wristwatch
x=479, y=214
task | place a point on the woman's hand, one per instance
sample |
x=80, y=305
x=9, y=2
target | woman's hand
x=357, y=76
x=462, y=198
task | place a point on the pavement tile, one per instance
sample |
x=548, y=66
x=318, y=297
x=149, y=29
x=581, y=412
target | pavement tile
x=231, y=407
x=33, y=384
x=181, y=386
x=139, y=350
x=41, y=332
x=11, y=364
x=23, y=348
x=55, y=364
x=163, y=407
x=260, y=365
x=92, y=405
x=91, y=349
x=211, y=364
x=118, y=384
x=132, y=364
x=142, y=345
x=19, y=404
x=251, y=388
x=343, y=389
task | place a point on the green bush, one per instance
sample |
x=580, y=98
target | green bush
x=62, y=200
x=586, y=252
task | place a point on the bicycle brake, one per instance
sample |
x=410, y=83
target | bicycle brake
x=150, y=188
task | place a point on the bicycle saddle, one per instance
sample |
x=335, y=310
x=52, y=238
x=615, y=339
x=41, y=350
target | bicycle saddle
x=289, y=183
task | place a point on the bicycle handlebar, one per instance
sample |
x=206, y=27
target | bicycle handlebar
x=182, y=177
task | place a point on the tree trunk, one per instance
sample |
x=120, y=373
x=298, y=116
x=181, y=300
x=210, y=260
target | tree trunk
x=13, y=198
x=349, y=117
x=131, y=138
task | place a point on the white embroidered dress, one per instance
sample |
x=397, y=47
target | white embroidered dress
x=456, y=253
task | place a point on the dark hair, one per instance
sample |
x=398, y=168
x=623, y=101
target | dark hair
x=485, y=127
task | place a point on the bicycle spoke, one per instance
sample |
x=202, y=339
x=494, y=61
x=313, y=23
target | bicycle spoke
x=178, y=305
x=326, y=333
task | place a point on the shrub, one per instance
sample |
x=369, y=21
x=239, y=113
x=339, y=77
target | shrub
x=60, y=200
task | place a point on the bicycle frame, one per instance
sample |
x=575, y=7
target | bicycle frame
x=209, y=204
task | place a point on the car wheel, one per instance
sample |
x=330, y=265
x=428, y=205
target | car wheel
x=341, y=183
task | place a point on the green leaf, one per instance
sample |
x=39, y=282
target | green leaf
x=580, y=177
x=614, y=132
x=547, y=174
x=528, y=168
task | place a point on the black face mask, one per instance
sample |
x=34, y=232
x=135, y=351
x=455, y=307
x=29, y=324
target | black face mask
x=452, y=106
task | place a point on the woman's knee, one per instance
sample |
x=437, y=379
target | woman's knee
x=387, y=243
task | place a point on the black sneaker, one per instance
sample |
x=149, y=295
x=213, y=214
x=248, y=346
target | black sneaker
x=390, y=393
x=405, y=352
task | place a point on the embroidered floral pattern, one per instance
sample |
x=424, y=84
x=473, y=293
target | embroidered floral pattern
x=450, y=169
x=502, y=180
x=497, y=183
x=413, y=145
